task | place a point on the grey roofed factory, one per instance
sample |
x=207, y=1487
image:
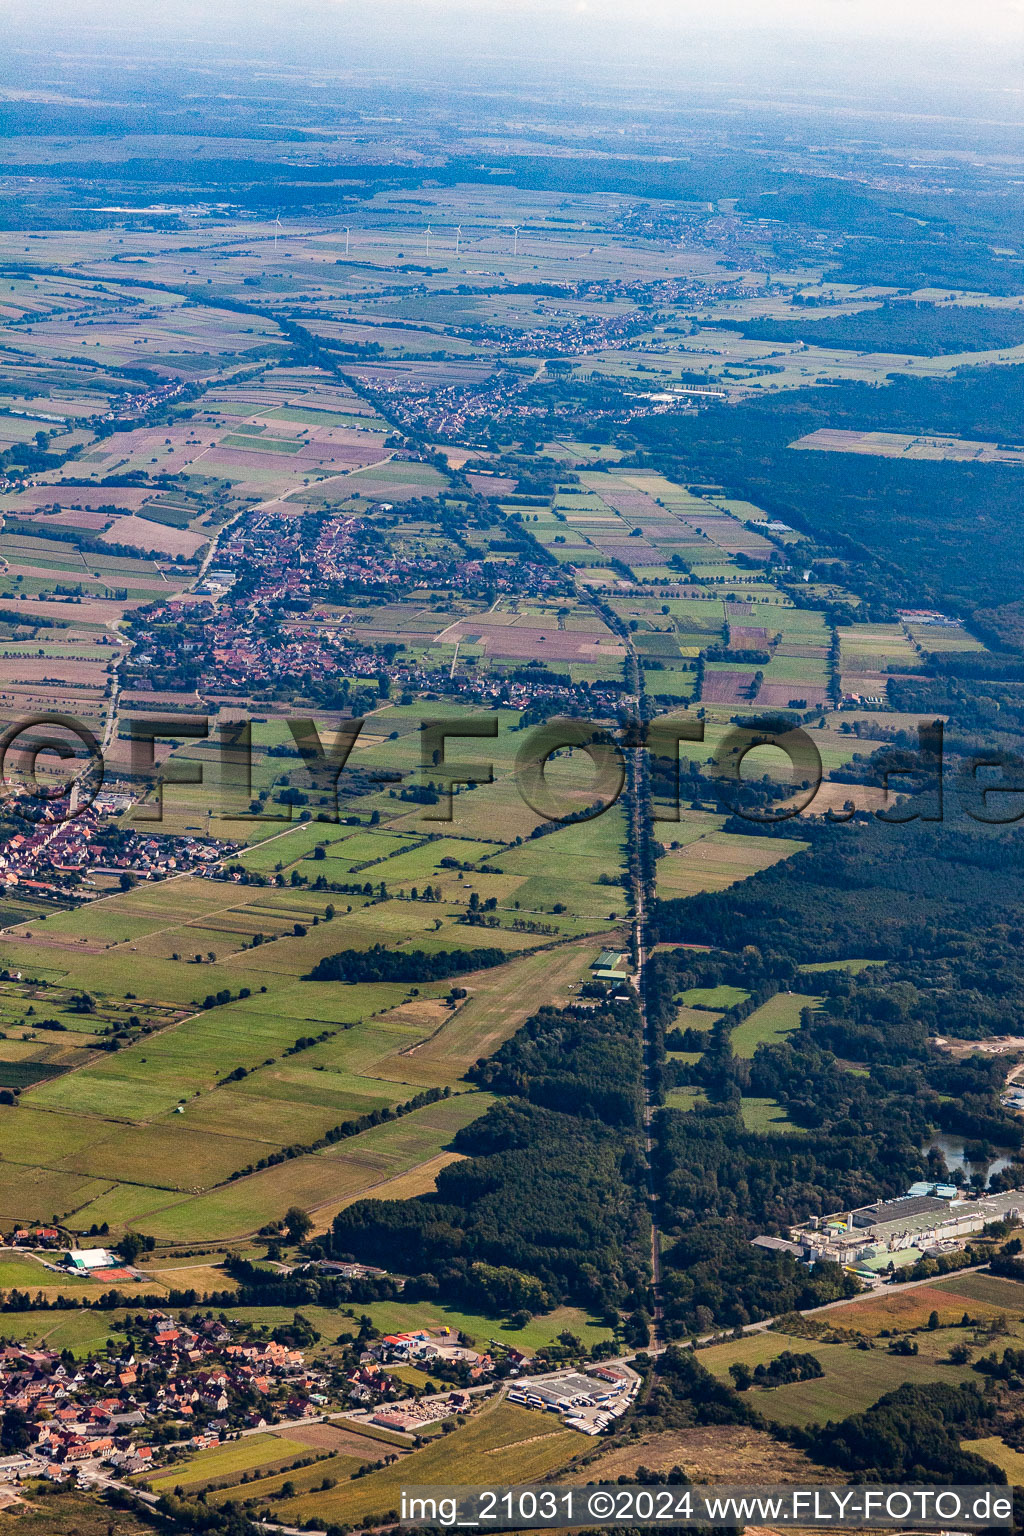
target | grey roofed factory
x=927, y=1220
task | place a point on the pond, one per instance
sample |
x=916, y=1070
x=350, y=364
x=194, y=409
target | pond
x=952, y=1149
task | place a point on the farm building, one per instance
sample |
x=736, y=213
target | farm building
x=608, y=959
x=609, y=966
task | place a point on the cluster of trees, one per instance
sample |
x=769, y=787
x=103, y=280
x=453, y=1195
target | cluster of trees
x=776, y=1373
x=307, y=1286
x=675, y=782
x=1010, y=1367
x=560, y=1058
x=682, y=1392
x=173, y=1514
x=379, y=963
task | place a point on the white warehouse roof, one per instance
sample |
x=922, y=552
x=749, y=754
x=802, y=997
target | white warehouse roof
x=89, y=1258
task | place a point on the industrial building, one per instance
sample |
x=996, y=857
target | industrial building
x=588, y=1403
x=929, y=1219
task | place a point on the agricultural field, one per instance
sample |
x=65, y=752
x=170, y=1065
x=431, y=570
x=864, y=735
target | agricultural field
x=716, y=860
x=898, y=445
x=169, y=1133
x=855, y=1377
x=1001, y=1455
x=281, y=467
x=264, y=1457
x=47, y=1509
x=713, y=1454
x=500, y=1441
x=258, y=1453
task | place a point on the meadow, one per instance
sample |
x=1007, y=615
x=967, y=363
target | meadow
x=773, y=1021
x=226, y=1463
x=855, y=1377
x=716, y=860
x=768, y=1117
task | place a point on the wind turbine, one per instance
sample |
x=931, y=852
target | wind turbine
x=277, y=230
x=515, y=238
x=458, y=237
x=348, y=235
x=429, y=233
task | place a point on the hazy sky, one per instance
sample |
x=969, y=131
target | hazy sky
x=982, y=17
x=920, y=18
x=950, y=43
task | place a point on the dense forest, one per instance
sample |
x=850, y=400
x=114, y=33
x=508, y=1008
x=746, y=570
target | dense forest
x=547, y=1205
x=912, y=531
x=897, y=326
x=560, y=1059
x=951, y=892
x=860, y=1081
x=884, y=237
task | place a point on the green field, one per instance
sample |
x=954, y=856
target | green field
x=228, y=1462
x=302, y=1479
x=855, y=966
x=773, y=1021
x=767, y=1116
x=853, y=1379
x=1001, y=1455
x=713, y=997
x=501, y=1442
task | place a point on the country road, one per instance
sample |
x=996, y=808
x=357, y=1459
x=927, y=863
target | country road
x=637, y=795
